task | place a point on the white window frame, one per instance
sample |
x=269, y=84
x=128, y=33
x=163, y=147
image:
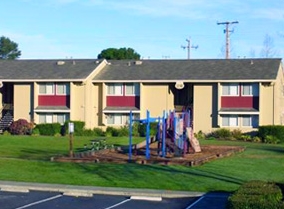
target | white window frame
x=66, y=89
x=48, y=88
x=253, y=121
x=114, y=119
x=252, y=88
x=52, y=118
x=117, y=91
x=233, y=121
x=134, y=87
x=230, y=89
x=46, y=118
x=120, y=119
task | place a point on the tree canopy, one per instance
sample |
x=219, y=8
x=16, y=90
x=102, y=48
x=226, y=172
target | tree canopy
x=119, y=54
x=8, y=49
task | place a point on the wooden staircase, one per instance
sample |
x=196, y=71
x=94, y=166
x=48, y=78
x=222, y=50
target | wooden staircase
x=7, y=117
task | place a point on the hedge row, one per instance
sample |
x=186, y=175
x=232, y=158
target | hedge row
x=52, y=129
x=256, y=195
x=271, y=132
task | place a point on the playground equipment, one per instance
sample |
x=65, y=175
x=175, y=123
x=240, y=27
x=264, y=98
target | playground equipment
x=174, y=133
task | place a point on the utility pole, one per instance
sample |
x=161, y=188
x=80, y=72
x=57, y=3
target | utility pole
x=227, y=31
x=188, y=47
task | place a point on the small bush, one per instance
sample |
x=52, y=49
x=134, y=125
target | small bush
x=256, y=195
x=199, y=135
x=78, y=127
x=271, y=139
x=20, y=127
x=112, y=131
x=222, y=133
x=237, y=134
x=123, y=131
x=6, y=133
x=272, y=130
x=246, y=138
x=211, y=138
x=98, y=132
x=49, y=129
x=35, y=132
x=256, y=139
x=142, y=129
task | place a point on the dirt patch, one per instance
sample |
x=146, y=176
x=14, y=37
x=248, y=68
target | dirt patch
x=120, y=155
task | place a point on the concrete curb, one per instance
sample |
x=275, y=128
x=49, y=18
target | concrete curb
x=88, y=191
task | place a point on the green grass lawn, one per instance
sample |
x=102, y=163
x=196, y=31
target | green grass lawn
x=24, y=158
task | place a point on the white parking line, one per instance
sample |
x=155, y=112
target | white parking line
x=113, y=206
x=41, y=201
x=197, y=201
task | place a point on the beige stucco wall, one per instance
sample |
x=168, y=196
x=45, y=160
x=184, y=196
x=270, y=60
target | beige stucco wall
x=22, y=101
x=84, y=103
x=156, y=98
x=202, y=107
x=271, y=101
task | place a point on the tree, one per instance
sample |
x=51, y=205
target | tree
x=119, y=54
x=8, y=49
x=268, y=47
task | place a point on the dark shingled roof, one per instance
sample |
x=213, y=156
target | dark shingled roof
x=214, y=69
x=72, y=69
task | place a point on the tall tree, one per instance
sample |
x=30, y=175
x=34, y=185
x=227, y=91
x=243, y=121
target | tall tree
x=268, y=47
x=119, y=54
x=8, y=49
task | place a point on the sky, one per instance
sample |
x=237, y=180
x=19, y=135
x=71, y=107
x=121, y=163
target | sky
x=156, y=29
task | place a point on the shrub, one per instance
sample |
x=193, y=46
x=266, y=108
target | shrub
x=237, y=134
x=20, y=127
x=98, y=132
x=211, y=138
x=112, y=131
x=78, y=127
x=256, y=195
x=222, y=133
x=256, y=139
x=135, y=128
x=35, y=132
x=123, y=131
x=273, y=130
x=269, y=139
x=142, y=128
x=49, y=129
x=246, y=138
x=199, y=135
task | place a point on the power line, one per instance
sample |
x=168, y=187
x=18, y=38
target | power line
x=227, y=31
x=188, y=47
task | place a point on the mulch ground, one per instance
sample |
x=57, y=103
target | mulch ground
x=208, y=153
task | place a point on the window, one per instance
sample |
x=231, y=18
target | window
x=46, y=88
x=114, y=89
x=45, y=118
x=250, y=121
x=62, y=88
x=230, y=89
x=249, y=89
x=114, y=119
x=120, y=118
x=132, y=89
x=53, y=118
x=230, y=120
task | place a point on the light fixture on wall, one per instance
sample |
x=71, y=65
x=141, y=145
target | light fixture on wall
x=179, y=85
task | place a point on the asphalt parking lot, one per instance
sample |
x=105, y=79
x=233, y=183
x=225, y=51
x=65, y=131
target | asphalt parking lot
x=47, y=200
x=18, y=195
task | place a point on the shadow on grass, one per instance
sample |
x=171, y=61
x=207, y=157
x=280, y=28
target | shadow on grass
x=36, y=154
x=114, y=173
